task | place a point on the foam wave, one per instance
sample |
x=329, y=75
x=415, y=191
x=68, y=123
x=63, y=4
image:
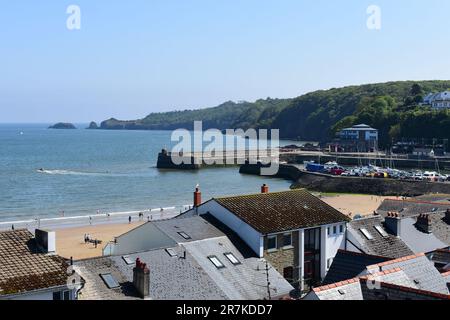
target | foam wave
x=69, y=172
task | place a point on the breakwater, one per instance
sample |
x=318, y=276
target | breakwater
x=361, y=185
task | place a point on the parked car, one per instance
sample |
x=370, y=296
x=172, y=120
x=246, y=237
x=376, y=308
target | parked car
x=337, y=171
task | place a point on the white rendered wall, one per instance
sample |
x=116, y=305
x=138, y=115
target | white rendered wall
x=250, y=236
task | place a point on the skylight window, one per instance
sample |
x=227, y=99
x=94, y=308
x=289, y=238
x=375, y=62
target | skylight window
x=109, y=280
x=232, y=258
x=217, y=263
x=366, y=233
x=171, y=252
x=128, y=260
x=381, y=231
x=184, y=235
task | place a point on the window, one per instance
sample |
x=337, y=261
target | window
x=232, y=258
x=341, y=228
x=184, y=235
x=334, y=229
x=328, y=231
x=216, y=262
x=171, y=252
x=366, y=233
x=271, y=242
x=109, y=280
x=381, y=231
x=57, y=295
x=287, y=240
x=128, y=260
x=66, y=295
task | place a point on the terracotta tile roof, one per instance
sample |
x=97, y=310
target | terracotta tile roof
x=23, y=268
x=282, y=211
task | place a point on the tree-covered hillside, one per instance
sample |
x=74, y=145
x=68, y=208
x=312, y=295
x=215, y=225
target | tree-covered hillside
x=317, y=115
x=392, y=107
x=227, y=115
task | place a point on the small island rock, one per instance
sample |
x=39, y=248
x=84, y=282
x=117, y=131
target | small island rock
x=62, y=125
x=93, y=125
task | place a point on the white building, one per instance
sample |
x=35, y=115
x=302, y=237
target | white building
x=295, y=231
x=440, y=100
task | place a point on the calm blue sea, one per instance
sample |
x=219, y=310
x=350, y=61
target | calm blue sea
x=90, y=170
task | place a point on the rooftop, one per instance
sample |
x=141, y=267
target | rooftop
x=419, y=269
x=388, y=245
x=24, y=268
x=282, y=211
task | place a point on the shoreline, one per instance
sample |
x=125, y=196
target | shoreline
x=108, y=218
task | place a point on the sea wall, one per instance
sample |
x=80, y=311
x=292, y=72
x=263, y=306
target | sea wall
x=361, y=185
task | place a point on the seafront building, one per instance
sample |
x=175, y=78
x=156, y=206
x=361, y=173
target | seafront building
x=295, y=231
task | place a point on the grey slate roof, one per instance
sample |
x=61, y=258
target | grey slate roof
x=350, y=290
x=417, y=240
x=196, y=227
x=247, y=281
x=193, y=278
x=171, y=278
x=389, y=291
x=347, y=265
x=390, y=247
x=419, y=269
x=353, y=289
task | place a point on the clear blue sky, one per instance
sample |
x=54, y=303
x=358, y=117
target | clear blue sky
x=131, y=58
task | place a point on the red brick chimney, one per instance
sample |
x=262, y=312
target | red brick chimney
x=197, y=198
x=141, y=279
x=424, y=223
x=264, y=188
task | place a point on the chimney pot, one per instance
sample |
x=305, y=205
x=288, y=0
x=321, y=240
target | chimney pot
x=424, y=223
x=393, y=223
x=197, y=197
x=141, y=279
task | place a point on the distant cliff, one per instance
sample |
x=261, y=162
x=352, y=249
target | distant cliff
x=62, y=125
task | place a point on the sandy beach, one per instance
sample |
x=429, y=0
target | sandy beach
x=355, y=204
x=70, y=241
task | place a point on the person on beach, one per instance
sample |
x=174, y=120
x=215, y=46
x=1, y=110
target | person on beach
x=12, y=227
x=85, y=238
x=129, y=219
x=90, y=220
